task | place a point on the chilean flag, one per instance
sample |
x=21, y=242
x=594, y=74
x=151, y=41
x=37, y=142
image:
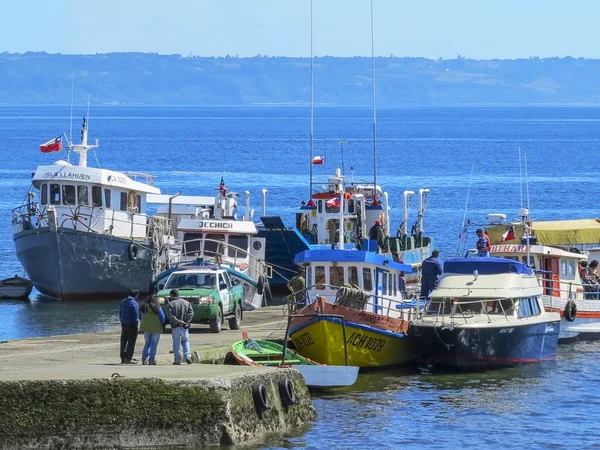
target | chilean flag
x=334, y=202
x=53, y=145
x=318, y=160
x=509, y=235
x=222, y=187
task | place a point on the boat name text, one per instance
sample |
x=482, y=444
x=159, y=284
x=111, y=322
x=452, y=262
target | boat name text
x=215, y=225
x=303, y=341
x=78, y=176
x=360, y=340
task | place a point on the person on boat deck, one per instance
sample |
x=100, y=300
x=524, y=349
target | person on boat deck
x=401, y=277
x=129, y=315
x=180, y=313
x=593, y=269
x=151, y=324
x=431, y=269
x=590, y=287
x=296, y=285
x=334, y=230
x=483, y=243
x=376, y=234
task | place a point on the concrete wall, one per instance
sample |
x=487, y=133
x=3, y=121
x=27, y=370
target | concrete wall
x=147, y=412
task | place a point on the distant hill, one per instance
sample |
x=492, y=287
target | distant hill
x=152, y=79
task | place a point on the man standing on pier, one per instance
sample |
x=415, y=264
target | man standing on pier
x=129, y=314
x=180, y=313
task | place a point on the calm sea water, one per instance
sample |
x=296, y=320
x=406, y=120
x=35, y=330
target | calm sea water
x=550, y=405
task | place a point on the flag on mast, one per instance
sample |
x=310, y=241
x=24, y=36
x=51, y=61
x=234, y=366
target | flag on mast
x=509, y=235
x=222, y=187
x=318, y=160
x=53, y=145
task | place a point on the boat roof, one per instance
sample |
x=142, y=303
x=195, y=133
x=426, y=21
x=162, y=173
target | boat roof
x=485, y=266
x=355, y=256
x=557, y=232
x=535, y=250
x=64, y=171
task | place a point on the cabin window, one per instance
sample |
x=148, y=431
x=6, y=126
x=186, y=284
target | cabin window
x=191, y=243
x=44, y=199
x=240, y=241
x=309, y=276
x=123, y=205
x=68, y=193
x=395, y=285
x=535, y=307
x=320, y=204
x=351, y=206
x=384, y=277
x=524, y=308
x=367, y=279
x=332, y=206
x=106, y=197
x=97, y=196
x=212, y=244
x=390, y=282
x=55, y=194
x=320, y=278
x=82, y=195
x=336, y=275
x=567, y=269
x=353, y=275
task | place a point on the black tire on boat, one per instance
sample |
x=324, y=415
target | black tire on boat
x=133, y=251
x=260, y=285
x=286, y=392
x=235, y=323
x=259, y=395
x=570, y=312
x=215, y=324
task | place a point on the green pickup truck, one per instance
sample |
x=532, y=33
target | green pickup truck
x=211, y=293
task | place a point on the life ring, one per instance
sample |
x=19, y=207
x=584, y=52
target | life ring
x=570, y=312
x=259, y=395
x=260, y=285
x=286, y=392
x=133, y=251
x=132, y=203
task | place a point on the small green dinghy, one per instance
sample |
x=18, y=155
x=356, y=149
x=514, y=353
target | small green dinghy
x=251, y=352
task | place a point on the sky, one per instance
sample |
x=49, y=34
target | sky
x=479, y=29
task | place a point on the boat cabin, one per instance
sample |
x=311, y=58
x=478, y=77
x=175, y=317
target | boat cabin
x=328, y=270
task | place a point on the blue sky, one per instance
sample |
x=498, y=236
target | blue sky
x=479, y=29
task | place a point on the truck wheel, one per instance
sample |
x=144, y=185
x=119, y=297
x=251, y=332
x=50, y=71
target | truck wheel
x=215, y=324
x=235, y=323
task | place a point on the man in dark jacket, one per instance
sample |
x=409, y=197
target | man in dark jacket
x=431, y=269
x=180, y=313
x=129, y=314
x=376, y=234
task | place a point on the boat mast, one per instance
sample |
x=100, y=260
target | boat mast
x=83, y=148
x=312, y=101
x=374, y=103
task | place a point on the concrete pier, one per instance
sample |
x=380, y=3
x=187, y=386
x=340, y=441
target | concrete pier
x=71, y=392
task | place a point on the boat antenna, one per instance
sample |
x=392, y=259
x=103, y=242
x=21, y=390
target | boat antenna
x=521, y=176
x=342, y=150
x=70, y=126
x=374, y=103
x=527, y=181
x=312, y=101
x=463, y=233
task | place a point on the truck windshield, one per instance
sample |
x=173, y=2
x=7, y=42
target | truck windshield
x=191, y=281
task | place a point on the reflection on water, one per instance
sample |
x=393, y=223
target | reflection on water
x=45, y=316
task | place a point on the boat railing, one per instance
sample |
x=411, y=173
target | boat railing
x=93, y=219
x=557, y=289
x=220, y=252
x=141, y=177
x=406, y=309
x=451, y=311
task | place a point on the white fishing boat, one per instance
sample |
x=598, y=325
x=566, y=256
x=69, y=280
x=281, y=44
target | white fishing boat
x=486, y=312
x=84, y=232
x=15, y=287
x=208, y=230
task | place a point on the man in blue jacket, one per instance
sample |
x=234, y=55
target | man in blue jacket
x=431, y=269
x=129, y=314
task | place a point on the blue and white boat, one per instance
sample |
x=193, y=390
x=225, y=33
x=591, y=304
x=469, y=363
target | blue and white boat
x=486, y=312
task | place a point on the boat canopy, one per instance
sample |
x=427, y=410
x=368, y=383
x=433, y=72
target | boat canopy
x=559, y=232
x=485, y=266
x=355, y=256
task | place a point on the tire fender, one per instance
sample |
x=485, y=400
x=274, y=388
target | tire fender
x=570, y=312
x=286, y=392
x=261, y=400
x=132, y=251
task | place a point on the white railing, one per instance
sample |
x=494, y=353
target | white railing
x=448, y=310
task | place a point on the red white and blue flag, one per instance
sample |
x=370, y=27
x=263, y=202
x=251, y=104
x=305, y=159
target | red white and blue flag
x=222, y=187
x=509, y=235
x=333, y=203
x=53, y=145
x=318, y=160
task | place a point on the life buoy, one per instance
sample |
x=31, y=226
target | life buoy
x=260, y=285
x=132, y=203
x=570, y=312
x=133, y=251
x=259, y=395
x=286, y=392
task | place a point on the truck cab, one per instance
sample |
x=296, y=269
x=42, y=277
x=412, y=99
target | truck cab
x=210, y=291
